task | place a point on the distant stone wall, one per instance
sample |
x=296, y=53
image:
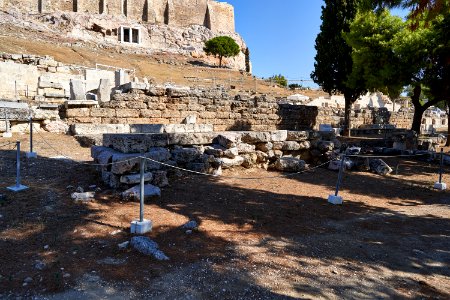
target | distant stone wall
x=159, y=105
x=216, y=16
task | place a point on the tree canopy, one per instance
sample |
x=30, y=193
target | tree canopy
x=389, y=54
x=221, y=46
x=333, y=61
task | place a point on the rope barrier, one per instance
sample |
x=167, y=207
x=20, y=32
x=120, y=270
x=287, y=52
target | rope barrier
x=235, y=177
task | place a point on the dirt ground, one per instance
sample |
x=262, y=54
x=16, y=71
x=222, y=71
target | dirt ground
x=257, y=239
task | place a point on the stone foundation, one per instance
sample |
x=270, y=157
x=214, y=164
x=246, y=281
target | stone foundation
x=208, y=152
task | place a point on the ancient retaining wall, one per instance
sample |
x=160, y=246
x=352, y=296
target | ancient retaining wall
x=219, y=17
x=160, y=105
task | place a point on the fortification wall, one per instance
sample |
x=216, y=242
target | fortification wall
x=216, y=16
x=220, y=17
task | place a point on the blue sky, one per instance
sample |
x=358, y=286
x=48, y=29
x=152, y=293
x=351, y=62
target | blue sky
x=280, y=35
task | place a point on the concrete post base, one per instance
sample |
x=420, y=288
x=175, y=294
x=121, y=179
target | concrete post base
x=7, y=134
x=440, y=186
x=334, y=199
x=31, y=155
x=141, y=227
x=17, y=188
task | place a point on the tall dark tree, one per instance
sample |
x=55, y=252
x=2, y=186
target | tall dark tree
x=334, y=56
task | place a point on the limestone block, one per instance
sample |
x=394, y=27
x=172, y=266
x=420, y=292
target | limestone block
x=215, y=150
x=277, y=145
x=56, y=127
x=231, y=162
x=160, y=179
x=250, y=160
x=136, y=178
x=185, y=155
x=83, y=129
x=261, y=157
x=380, y=167
x=264, y=147
x=185, y=139
x=278, y=136
x=297, y=136
x=147, y=128
x=254, y=137
x=290, y=146
x=77, y=91
x=244, y=148
x=127, y=113
x=149, y=191
x=289, y=164
x=228, y=139
x=232, y=152
x=191, y=119
x=135, y=143
x=104, y=91
x=177, y=92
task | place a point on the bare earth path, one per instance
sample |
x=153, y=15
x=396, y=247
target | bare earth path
x=258, y=239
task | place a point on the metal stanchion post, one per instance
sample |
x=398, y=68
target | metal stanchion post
x=31, y=154
x=18, y=187
x=7, y=133
x=335, y=199
x=142, y=225
x=440, y=185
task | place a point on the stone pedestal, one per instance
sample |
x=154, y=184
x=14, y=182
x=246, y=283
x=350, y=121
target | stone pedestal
x=138, y=227
x=31, y=155
x=440, y=186
x=337, y=200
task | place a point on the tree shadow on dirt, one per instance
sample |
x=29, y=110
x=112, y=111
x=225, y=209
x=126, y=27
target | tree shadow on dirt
x=217, y=261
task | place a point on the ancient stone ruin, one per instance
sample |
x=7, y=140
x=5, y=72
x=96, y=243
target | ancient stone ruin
x=216, y=16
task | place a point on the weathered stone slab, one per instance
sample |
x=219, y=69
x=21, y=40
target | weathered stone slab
x=104, y=91
x=290, y=164
x=290, y=146
x=77, y=91
x=380, y=167
x=82, y=129
x=278, y=136
x=147, y=128
x=231, y=162
x=186, y=139
x=244, y=148
x=149, y=191
x=254, y=137
x=136, y=178
x=228, y=139
x=185, y=155
x=297, y=136
x=135, y=143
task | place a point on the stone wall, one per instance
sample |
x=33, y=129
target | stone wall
x=208, y=152
x=220, y=17
x=216, y=16
x=146, y=104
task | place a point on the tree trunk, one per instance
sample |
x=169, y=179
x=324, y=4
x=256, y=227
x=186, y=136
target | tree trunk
x=220, y=61
x=417, y=118
x=418, y=109
x=347, y=116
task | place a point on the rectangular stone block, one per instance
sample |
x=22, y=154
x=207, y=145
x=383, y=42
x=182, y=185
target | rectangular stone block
x=185, y=139
x=135, y=143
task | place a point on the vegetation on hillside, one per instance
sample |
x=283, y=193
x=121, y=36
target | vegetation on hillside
x=221, y=46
